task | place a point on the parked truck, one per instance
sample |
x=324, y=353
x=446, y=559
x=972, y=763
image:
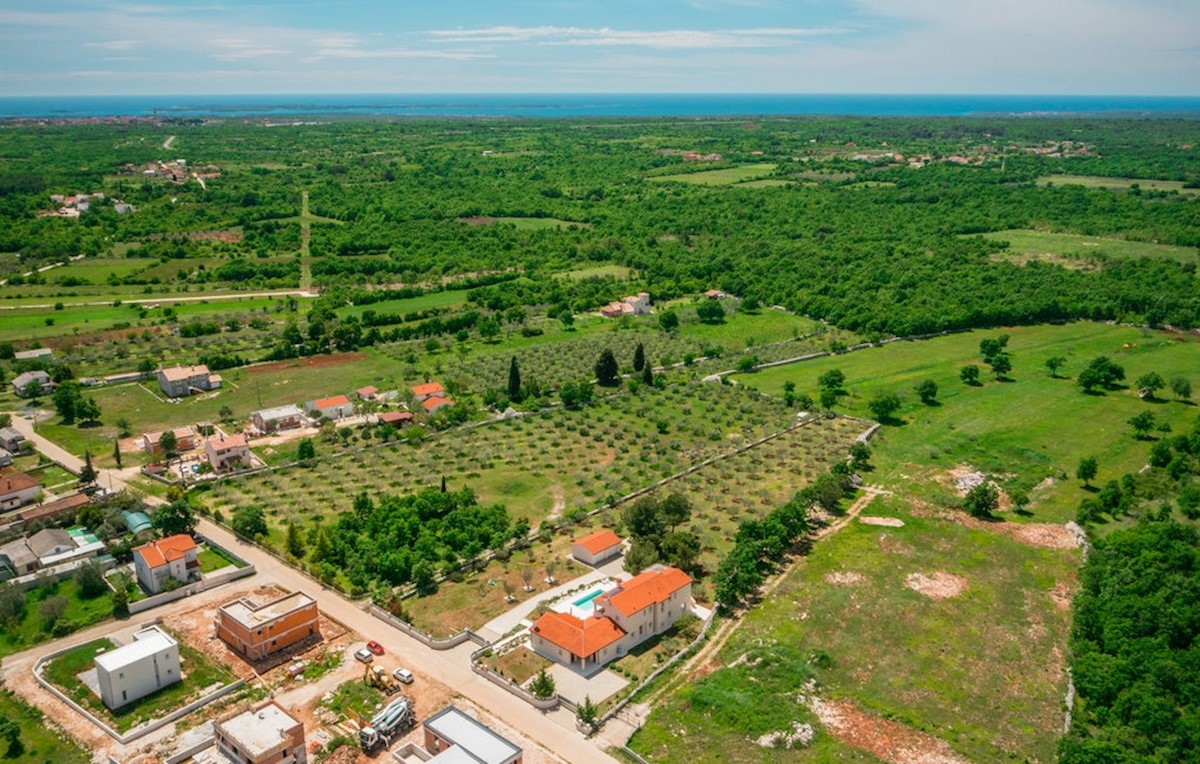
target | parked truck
x=394, y=720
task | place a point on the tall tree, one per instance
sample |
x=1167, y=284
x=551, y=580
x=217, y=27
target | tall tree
x=927, y=391
x=1182, y=388
x=514, y=380
x=639, y=357
x=1151, y=382
x=117, y=452
x=607, y=370
x=969, y=374
x=87, y=473
x=176, y=517
x=1087, y=469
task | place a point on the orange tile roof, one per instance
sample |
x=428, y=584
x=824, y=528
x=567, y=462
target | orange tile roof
x=582, y=638
x=16, y=481
x=647, y=588
x=337, y=400
x=599, y=541
x=233, y=441
x=52, y=508
x=388, y=417
x=160, y=552
x=434, y=403
x=429, y=388
x=368, y=390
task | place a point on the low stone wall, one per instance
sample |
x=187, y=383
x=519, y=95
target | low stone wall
x=444, y=643
x=211, y=582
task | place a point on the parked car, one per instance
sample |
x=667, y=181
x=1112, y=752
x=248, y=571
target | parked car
x=364, y=655
x=403, y=675
x=375, y=647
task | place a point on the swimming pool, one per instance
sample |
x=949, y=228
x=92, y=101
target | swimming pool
x=585, y=602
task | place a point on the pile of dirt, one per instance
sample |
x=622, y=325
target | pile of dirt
x=844, y=579
x=799, y=736
x=887, y=522
x=965, y=478
x=938, y=585
x=887, y=740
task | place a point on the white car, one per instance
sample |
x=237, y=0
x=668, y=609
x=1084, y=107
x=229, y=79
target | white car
x=364, y=655
x=403, y=675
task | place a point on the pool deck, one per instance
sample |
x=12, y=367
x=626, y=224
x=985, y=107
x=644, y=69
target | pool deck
x=516, y=616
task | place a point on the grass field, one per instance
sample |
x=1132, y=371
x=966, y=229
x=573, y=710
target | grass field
x=724, y=177
x=616, y=271
x=1075, y=251
x=446, y=299
x=1117, y=184
x=30, y=629
x=40, y=741
x=1026, y=430
x=97, y=270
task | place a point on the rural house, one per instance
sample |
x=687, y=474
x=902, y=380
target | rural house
x=16, y=559
x=278, y=418
x=11, y=440
x=597, y=547
x=22, y=381
x=145, y=665
x=54, y=545
x=185, y=440
x=368, y=393
x=453, y=737
x=266, y=734
x=336, y=407
x=434, y=403
x=34, y=354
x=174, y=557
x=226, y=453
x=256, y=631
x=623, y=617
x=428, y=390
x=635, y=305
x=18, y=489
x=182, y=381
x=55, y=511
x=396, y=419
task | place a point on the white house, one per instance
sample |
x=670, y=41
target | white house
x=597, y=547
x=182, y=381
x=278, y=418
x=10, y=439
x=336, y=407
x=226, y=453
x=174, y=557
x=145, y=665
x=21, y=381
x=18, y=489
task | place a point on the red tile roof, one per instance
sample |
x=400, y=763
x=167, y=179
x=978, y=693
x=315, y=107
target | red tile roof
x=429, y=388
x=581, y=638
x=395, y=417
x=158, y=553
x=53, y=508
x=599, y=541
x=363, y=392
x=16, y=481
x=436, y=403
x=325, y=403
x=233, y=441
x=647, y=588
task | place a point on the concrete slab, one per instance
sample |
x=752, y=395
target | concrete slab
x=575, y=687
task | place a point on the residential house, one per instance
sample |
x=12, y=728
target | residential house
x=433, y=404
x=16, y=559
x=11, y=440
x=428, y=390
x=714, y=294
x=22, y=381
x=623, y=617
x=6, y=458
x=396, y=419
x=173, y=557
x=34, y=354
x=55, y=511
x=182, y=381
x=185, y=440
x=597, y=547
x=454, y=737
x=336, y=407
x=226, y=453
x=635, y=305
x=18, y=489
x=50, y=543
x=278, y=418
x=368, y=393
x=256, y=631
x=266, y=734
x=145, y=665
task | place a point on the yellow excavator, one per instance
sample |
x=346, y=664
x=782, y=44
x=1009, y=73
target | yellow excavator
x=377, y=676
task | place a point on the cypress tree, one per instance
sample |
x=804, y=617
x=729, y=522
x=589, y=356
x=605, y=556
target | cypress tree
x=514, y=381
x=639, y=357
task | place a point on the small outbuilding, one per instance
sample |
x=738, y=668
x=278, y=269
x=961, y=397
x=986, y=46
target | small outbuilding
x=597, y=547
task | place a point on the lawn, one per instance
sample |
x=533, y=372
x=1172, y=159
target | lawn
x=355, y=699
x=983, y=670
x=616, y=271
x=540, y=224
x=724, y=177
x=31, y=629
x=1031, y=431
x=1117, y=184
x=445, y=299
x=200, y=676
x=1075, y=251
x=41, y=742
x=211, y=559
x=518, y=664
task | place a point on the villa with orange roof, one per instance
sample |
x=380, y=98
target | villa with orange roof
x=428, y=390
x=622, y=618
x=433, y=404
x=226, y=453
x=174, y=557
x=597, y=547
x=336, y=407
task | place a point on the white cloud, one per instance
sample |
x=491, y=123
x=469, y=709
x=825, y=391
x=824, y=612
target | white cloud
x=662, y=39
x=112, y=44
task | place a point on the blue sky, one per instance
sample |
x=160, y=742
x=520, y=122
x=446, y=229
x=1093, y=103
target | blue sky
x=99, y=47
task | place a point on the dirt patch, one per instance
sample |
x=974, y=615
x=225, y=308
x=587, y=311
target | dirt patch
x=892, y=546
x=1061, y=595
x=228, y=236
x=939, y=585
x=1044, y=535
x=887, y=522
x=964, y=477
x=477, y=220
x=840, y=578
x=310, y=362
x=887, y=740
x=703, y=670
x=799, y=736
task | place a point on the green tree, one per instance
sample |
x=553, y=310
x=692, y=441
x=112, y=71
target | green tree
x=146, y=368
x=32, y=389
x=489, y=329
x=1142, y=424
x=710, y=312
x=639, y=357
x=1151, y=382
x=831, y=380
x=295, y=541
x=668, y=321
x=168, y=443
x=681, y=548
x=1182, y=388
x=10, y=733
x=66, y=399
x=249, y=522
x=1100, y=373
x=1160, y=454
x=12, y=604
x=927, y=391
x=1054, y=363
x=1087, y=469
x=884, y=406
x=51, y=610
x=514, y=380
x=587, y=713
x=829, y=398
x=90, y=578
x=644, y=519
x=87, y=473
x=675, y=510
x=87, y=410
x=176, y=517
x=607, y=371
x=542, y=685
x=423, y=577
x=969, y=374
x=1001, y=365
x=120, y=603
x=860, y=456
x=568, y=320
x=5, y=419
x=992, y=347
x=306, y=450
x=982, y=500
x=575, y=394
x=117, y=453
x=648, y=375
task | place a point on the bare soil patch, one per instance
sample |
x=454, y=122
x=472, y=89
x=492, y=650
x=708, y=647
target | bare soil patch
x=938, y=585
x=310, y=362
x=1044, y=535
x=840, y=578
x=887, y=740
x=477, y=220
x=887, y=522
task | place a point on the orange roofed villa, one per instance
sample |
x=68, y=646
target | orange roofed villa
x=622, y=618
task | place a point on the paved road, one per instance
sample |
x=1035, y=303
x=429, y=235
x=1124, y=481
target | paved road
x=172, y=298
x=555, y=730
x=106, y=478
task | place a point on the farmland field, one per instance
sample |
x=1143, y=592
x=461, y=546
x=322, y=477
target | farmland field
x=1117, y=184
x=1073, y=250
x=724, y=177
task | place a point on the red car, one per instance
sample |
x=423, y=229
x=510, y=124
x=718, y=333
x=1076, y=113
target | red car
x=375, y=647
